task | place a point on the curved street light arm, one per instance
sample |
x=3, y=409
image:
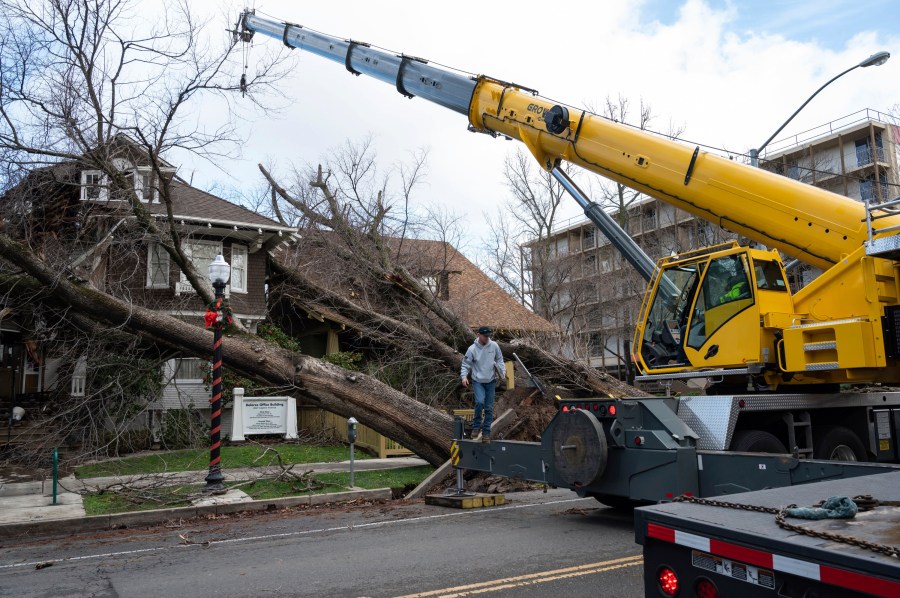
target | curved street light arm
x=876, y=59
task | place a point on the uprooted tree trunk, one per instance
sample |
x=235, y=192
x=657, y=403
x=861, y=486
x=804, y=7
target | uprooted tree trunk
x=424, y=430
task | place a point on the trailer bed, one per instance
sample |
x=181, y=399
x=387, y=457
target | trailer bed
x=745, y=553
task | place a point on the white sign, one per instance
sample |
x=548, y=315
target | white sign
x=263, y=415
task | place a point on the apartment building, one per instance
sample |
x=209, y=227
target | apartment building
x=855, y=155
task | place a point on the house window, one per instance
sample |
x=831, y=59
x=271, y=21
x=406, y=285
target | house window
x=201, y=254
x=144, y=185
x=93, y=185
x=438, y=284
x=157, y=267
x=190, y=369
x=239, y=268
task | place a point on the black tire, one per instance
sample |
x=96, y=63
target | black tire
x=756, y=441
x=840, y=444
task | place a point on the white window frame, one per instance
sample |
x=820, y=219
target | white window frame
x=139, y=174
x=239, y=274
x=161, y=263
x=188, y=365
x=87, y=183
x=183, y=286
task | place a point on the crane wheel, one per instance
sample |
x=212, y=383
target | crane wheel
x=840, y=444
x=579, y=448
x=756, y=441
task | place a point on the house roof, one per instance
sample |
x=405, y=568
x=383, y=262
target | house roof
x=473, y=296
x=196, y=205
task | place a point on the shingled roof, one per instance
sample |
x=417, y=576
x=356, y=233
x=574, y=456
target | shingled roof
x=472, y=295
x=190, y=203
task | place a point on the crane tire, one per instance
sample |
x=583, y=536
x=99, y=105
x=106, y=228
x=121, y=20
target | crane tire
x=838, y=443
x=756, y=441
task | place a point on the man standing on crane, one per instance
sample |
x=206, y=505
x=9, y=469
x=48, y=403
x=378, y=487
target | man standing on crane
x=484, y=361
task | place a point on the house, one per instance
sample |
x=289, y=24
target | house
x=90, y=218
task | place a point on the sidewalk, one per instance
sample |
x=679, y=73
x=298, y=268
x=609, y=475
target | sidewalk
x=26, y=508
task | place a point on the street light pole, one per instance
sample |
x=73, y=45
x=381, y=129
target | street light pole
x=876, y=59
x=219, y=272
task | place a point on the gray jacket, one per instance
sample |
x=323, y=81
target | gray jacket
x=483, y=361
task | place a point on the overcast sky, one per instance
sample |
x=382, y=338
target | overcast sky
x=729, y=72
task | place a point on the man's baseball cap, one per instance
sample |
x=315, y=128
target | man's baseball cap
x=486, y=330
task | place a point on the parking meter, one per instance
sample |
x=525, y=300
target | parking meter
x=351, y=438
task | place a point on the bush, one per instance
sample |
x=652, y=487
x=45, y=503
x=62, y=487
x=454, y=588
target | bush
x=184, y=428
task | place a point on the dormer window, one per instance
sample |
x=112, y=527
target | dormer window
x=145, y=186
x=438, y=284
x=93, y=185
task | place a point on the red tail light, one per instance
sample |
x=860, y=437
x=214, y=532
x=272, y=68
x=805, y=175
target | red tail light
x=612, y=409
x=706, y=589
x=668, y=581
x=565, y=408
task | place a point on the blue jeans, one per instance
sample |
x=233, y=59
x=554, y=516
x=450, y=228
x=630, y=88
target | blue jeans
x=484, y=402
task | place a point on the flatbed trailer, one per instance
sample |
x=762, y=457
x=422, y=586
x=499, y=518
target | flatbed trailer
x=697, y=549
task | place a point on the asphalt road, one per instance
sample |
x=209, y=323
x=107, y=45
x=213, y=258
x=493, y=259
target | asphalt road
x=538, y=544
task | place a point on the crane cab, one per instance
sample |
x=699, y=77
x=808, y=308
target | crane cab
x=704, y=310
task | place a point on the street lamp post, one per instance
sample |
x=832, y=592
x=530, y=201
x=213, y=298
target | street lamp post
x=219, y=272
x=876, y=59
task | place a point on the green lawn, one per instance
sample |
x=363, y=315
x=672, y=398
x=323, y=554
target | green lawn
x=109, y=503
x=339, y=482
x=114, y=502
x=232, y=457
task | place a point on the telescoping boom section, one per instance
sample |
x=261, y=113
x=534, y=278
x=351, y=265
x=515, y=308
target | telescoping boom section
x=842, y=327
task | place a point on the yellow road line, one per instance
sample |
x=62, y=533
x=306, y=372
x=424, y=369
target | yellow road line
x=530, y=579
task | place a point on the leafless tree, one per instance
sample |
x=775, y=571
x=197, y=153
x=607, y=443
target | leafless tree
x=527, y=217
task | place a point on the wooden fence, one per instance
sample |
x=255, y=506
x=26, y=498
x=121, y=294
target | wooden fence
x=315, y=420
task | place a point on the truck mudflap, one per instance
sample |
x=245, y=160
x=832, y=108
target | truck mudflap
x=738, y=548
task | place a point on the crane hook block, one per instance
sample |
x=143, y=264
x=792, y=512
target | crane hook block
x=557, y=119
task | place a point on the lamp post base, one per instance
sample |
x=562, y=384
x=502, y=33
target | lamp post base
x=215, y=480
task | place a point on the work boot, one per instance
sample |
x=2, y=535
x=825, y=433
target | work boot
x=486, y=438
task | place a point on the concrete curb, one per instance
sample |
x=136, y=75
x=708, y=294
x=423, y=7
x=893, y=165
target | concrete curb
x=147, y=518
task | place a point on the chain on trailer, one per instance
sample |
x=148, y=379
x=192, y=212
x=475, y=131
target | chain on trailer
x=864, y=502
